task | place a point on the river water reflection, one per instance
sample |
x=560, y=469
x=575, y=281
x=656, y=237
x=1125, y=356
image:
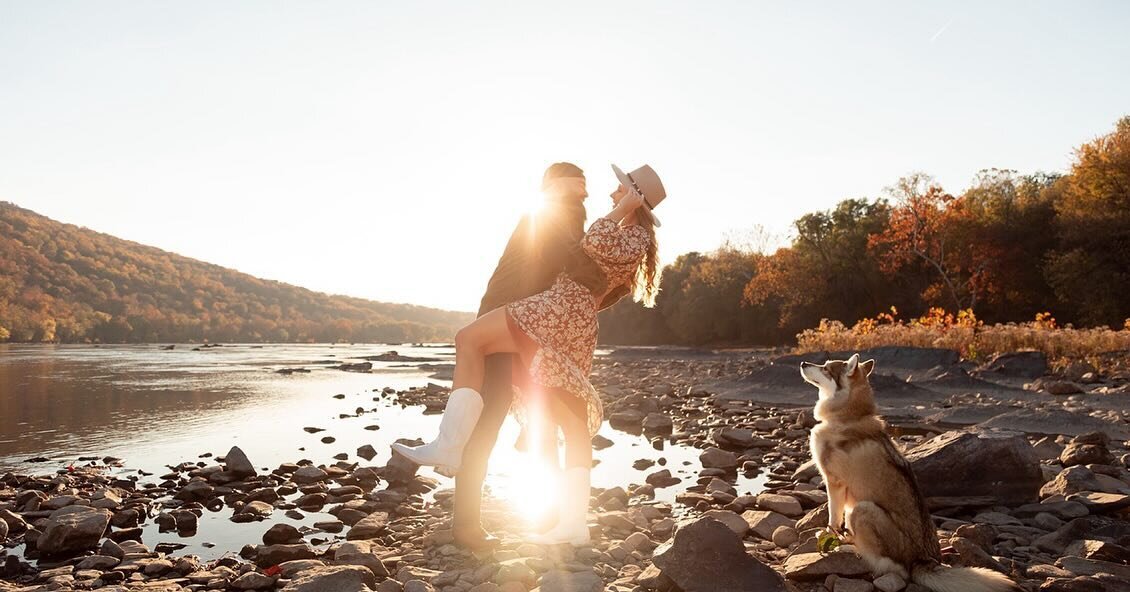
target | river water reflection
x=154, y=408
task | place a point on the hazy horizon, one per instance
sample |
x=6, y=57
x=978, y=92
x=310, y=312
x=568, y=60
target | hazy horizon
x=385, y=152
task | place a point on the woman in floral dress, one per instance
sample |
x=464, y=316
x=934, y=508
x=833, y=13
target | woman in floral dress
x=554, y=332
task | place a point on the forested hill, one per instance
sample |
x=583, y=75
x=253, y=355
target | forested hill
x=60, y=282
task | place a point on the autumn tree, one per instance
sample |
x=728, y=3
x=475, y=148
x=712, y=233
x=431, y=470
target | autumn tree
x=827, y=271
x=926, y=228
x=1001, y=228
x=1090, y=267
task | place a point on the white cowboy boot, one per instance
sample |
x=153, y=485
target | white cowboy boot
x=464, y=405
x=572, y=523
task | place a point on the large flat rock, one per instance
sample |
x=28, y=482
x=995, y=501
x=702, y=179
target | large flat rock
x=1002, y=465
x=1056, y=422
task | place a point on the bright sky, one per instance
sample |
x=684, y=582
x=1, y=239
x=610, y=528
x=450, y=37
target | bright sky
x=386, y=149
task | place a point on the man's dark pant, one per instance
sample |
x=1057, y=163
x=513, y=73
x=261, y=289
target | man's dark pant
x=497, y=395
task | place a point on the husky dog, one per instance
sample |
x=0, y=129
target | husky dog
x=872, y=489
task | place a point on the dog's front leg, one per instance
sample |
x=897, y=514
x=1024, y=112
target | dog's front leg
x=837, y=498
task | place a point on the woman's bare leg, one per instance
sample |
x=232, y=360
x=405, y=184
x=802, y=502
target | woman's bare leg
x=488, y=334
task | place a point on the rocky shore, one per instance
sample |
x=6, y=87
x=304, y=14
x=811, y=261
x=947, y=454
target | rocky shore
x=1025, y=469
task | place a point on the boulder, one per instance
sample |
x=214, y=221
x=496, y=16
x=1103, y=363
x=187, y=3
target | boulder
x=1099, y=551
x=236, y=463
x=1001, y=465
x=1055, y=421
x=1090, y=567
x=336, y=578
x=73, y=528
x=707, y=556
x=1056, y=542
x=1022, y=364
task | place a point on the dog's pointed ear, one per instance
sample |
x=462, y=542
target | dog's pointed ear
x=867, y=367
x=852, y=362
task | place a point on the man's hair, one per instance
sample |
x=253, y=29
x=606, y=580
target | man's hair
x=560, y=169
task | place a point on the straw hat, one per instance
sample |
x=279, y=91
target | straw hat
x=646, y=183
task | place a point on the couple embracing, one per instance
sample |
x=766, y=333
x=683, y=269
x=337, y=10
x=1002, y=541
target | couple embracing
x=532, y=344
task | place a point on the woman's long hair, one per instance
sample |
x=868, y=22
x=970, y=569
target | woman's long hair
x=645, y=287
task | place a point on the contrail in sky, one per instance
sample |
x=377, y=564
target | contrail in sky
x=942, y=30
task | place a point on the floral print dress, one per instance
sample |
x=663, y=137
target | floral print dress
x=560, y=323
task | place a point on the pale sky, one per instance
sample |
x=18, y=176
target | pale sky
x=386, y=149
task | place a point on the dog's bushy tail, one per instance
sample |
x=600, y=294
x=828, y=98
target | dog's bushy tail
x=961, y=579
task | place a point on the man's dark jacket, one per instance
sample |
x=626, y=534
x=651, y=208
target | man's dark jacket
x=542, y=246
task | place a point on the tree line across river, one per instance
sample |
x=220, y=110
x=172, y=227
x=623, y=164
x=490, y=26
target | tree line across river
x=1008, y=248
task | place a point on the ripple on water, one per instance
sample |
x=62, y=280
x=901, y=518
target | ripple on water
x=156, y=409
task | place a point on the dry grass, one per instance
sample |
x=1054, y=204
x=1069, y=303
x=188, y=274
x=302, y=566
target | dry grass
x=967, y=335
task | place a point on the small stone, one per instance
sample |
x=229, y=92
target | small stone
x=257, y=509
x=360, y=553
x=785, y=536
x=309, y=474
x=852, y=585
x=268, y=555
x=253, y=581
x=418, y=586
x=335, y=578
x=716, y=458
x=395, y=586
x=571, y=581
x=281, y=534
x=817, y=566
x=657, y=423
x=889, y=583
x=99, y=562
x=1085, y=454
x=236, y=463
x=367, y=452
x=763, y=523
x=662, y=478
x=782, y=504
x=370, y=527
x=731, y=519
